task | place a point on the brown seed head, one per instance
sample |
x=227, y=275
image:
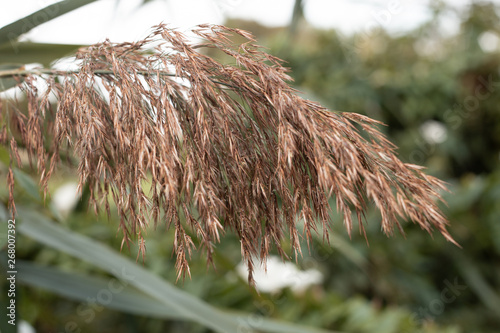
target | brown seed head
x=225, y=147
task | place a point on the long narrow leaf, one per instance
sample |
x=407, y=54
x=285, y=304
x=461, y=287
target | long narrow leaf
x=12, y=31
x=27, y=184
x=41, y=53
x=184, y=305
x=38, y=227
x=473, y=277
x=80, y=288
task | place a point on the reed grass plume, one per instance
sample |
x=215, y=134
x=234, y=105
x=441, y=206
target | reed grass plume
x=226, y=147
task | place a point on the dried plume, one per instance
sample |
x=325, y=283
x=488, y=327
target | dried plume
x=225, y=147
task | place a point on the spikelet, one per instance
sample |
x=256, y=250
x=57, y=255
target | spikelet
x=228, y=148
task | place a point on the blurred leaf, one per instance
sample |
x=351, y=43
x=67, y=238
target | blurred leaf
x=27, y=184
x=37, y=227
x=4, y=216
x=4, y=156
x=297, y=14
x=9, y=82
x=462, y=198
x=389, y=321
x=11, y=32
x=349, y=251
x=80, y=288
x=27, y=53
x=472, y=275
x=186, y=306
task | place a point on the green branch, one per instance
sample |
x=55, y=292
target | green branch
x=11, y=32
x=40, y=71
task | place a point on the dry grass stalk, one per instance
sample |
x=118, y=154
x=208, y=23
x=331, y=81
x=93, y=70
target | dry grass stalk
x=227, y=148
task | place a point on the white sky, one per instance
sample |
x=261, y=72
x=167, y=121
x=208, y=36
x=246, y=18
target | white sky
x=126, y=20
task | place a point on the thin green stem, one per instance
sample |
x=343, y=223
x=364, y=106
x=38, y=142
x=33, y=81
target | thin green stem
x=41, y=71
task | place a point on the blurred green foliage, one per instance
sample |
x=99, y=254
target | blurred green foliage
x=405, y=81
x=413, y=283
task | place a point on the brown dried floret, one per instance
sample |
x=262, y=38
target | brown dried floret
x=225, y=147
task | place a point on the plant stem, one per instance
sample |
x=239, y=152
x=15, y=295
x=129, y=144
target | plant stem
x=40, y=71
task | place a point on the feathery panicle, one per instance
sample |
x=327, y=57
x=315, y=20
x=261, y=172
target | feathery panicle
x=225, y=147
